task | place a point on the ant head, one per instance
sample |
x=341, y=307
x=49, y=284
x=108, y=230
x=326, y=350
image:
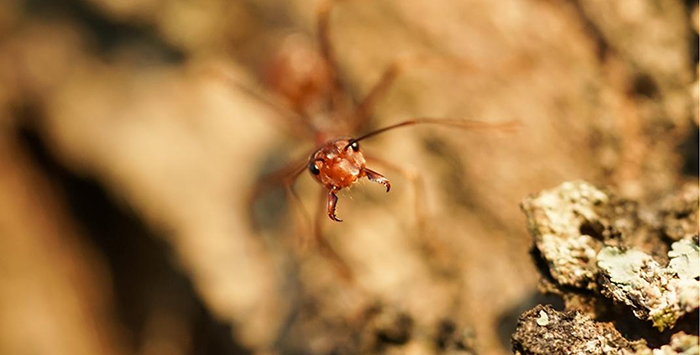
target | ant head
x=338, y=163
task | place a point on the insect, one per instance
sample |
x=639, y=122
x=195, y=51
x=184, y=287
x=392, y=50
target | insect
x=339, y=163
x=319, y=108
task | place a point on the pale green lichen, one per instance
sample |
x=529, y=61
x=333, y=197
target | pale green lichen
x=685, y=258
x=659, y=294
x=623, y=266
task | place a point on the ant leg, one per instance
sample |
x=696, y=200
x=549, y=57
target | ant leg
x=324, y=247
x=302, y=242
x=331, y=204
x=296, y=124
x=323, y=12
x=284, y=177
x=377, y=177
x=365, y=108
x=416, y=183
x=434, y=249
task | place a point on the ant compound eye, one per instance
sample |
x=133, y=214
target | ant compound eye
x=313, y=168
x=355, y=146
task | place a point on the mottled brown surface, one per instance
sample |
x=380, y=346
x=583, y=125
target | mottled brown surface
x=137, y=101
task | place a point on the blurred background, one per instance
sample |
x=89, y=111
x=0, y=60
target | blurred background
x=132, y=134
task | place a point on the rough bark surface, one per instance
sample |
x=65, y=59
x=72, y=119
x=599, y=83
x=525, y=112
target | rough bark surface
x=608, y=261
x=152, y=122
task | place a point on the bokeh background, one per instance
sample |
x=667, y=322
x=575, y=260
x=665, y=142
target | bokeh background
x=133, y=132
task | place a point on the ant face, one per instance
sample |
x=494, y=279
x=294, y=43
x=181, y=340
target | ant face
x=337, y=164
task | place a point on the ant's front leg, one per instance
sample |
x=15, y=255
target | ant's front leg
x=378, y=178
x=332, y=203
x=416, y=181
x=326, y=249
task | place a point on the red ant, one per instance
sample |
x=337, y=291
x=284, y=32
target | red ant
x=310, y=84
x=339, y=163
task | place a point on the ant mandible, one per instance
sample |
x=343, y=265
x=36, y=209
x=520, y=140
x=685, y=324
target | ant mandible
x=310, y=84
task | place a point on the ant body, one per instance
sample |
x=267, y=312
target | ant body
x=309, y=82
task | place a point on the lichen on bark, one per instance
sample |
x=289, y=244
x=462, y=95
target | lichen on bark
x=660, y=294
x=608, y=257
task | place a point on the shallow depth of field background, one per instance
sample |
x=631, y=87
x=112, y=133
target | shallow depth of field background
x=129, y=143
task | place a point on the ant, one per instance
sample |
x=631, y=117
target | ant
x=339, y=163
x=307, y=79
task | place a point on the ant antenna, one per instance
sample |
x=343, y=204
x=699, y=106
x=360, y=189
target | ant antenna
x=463, y=124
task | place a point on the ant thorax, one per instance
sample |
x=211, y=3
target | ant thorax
x=337, y=164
